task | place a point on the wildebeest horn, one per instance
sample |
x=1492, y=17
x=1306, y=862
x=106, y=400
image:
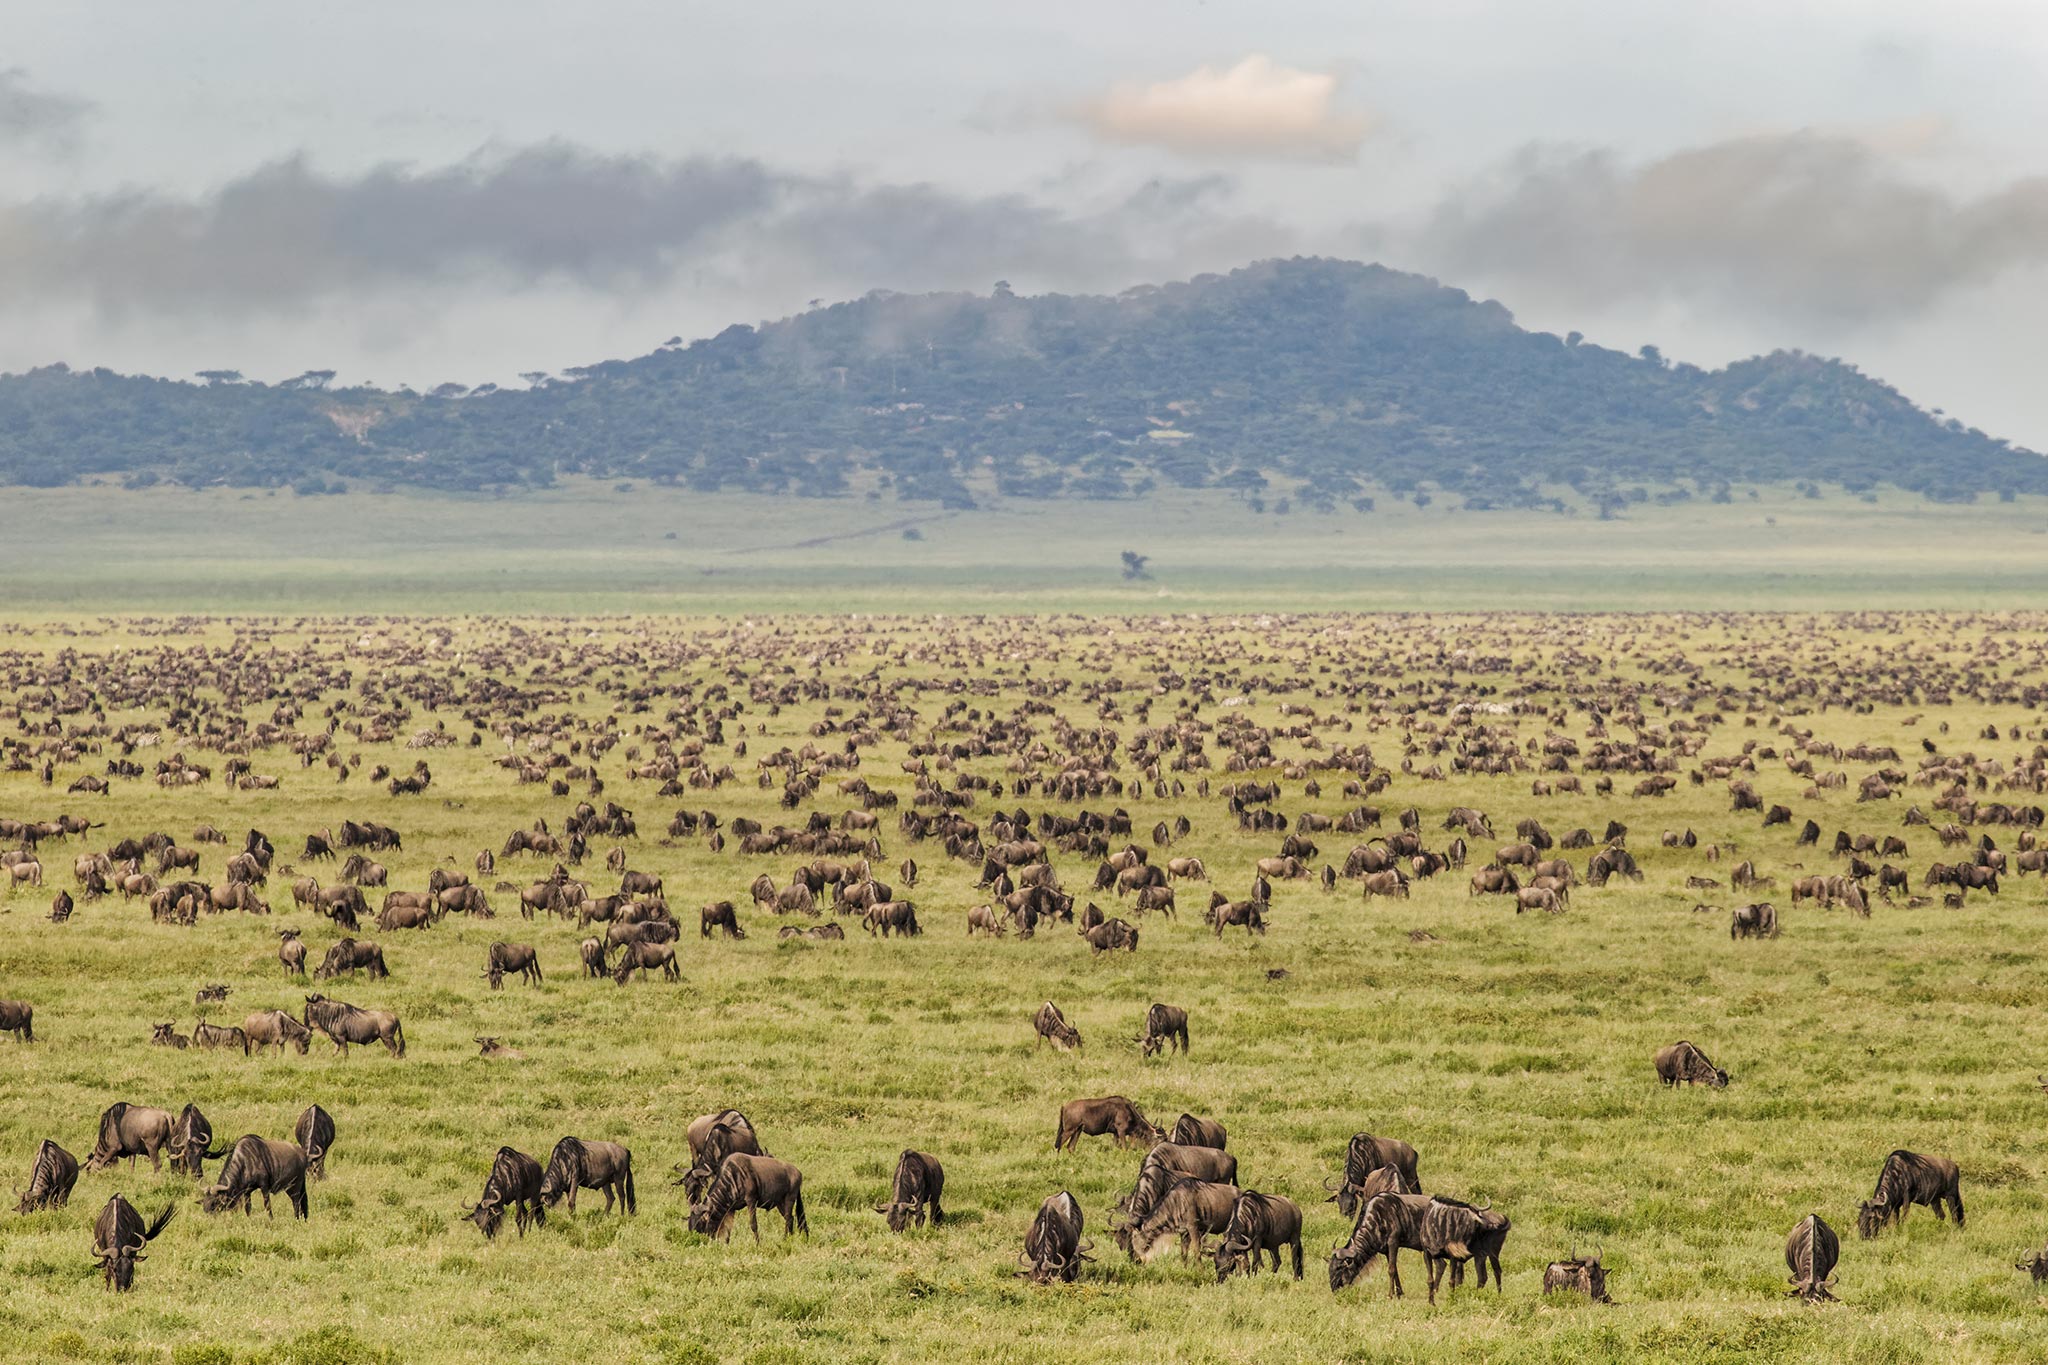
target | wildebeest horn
x=1328, y=1186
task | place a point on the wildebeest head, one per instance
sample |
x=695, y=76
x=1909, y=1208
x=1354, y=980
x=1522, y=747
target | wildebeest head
x=1871, y=1216
x=488, y=1215
x=2037, y=1266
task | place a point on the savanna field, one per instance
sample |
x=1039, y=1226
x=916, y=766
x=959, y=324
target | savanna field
x=1513, y=1050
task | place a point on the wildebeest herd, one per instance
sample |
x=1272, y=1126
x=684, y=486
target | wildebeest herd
x=899, y=781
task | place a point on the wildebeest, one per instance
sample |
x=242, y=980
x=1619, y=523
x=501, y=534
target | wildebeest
x=1754, y=921
x=1250, y=914
x=712, y=1138
x=1683, y=1062
x=1454, y=1232
x=918, y=1185
x=1810, y=1254
x=592, y=951
x=719, y=915
x=166, y=1035
x=18, y=1017
x=1189, y=1131
x=753, y=1183
x=1112, y=1114
x=1111, y=935
x=1167, y=1160
x=348, y=955
x=512, y=957
x=514, y=1181
x=647, y=957
x=1053, y=1249
x=50, y=1179
x=118, y=1237
x=131, y=1130
x=213, y=1035
x=258, y=1165
x=1906, y=1179
x=1187, y=1209
x=1364, y=1155
x=268, y=1027
x=1259, y=1223
x=576, y=1164
x=191, y=1136
x=344, y=1024
x=291, y=952
x=1166, y=1027
x=1052, y=1026
x=1387, y=1225
x=887, y=917
x=1577, y=1274
x=2036, y=1265
x=315, y=1135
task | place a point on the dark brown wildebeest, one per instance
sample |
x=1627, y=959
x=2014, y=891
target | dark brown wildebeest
x=514, y=1181
x=1053, y=1249
x=1906, y=1179
x=131, y=1130
x=1111, y=1114
x=2036, y=1265
x=1166, y=1027
x=639, y=884
x=1189, y=1131
x=1810, y=1254
x=576, y=1164
x=1387, y=1225
x=1454, y=1232
x=1111, y=935
x=719, y=915
x=1259, y=1223
x=191, y=1136
x=592, y=951
x=291, y=952
x=647, y=957
x=1754, y=921
x=258, y=1165
x=1167, y=1159
x=512, y=957
x=349, y=955
x=274, y=1027
x=315, y=1136
x=166, y=1035
x=918, y=1185
x=1577, y=1275
x=118, y=1236
x=752, y=1183
x=1683, y=1062
x=1052, y=1026
x=18, y=1017
x=1364, y=1155
x=344, y=1024
x=1187, y=1210
x=721, y=1136
x=50, y=1179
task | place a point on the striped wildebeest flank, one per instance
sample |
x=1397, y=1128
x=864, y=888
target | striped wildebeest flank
x=315, y=1136
x=1053, y=1249
x=507, y=958
x=215, y=1035
x=1810, y=1254
x=1189, y=1131
x=1052, y=1026
x=719, y=915
x=1387, y=1225
x=191, y=1136
x=915, y=1191
x=1754, y=921
x=514, y=1182
x=50, y=1179
x=258, y=1165
x=267, y=1028
x=131, y=1130
x=118, y=1237
x=1111, y=1114
x=1365, y=1155
x=1684, y=1063
x=578, y=1165
x=344, y=1024
x=1166, y=1027
x=752, y=1183
x=1578, y=1274
x=1186, y=1210
x=348, y=955
x=1454, y=1232
x=1906, y=1179
x=1259, y=1223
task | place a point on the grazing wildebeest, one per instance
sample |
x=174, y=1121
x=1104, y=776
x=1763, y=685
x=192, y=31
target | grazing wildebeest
x=344, y=1024
x=714, y=1137
x=576, y=1164
x=1454, y=1232
x=1112, y=1114
x=50, y=1179
x=1906, y=1179
x=1387, y=1225
x=118, y=1236
x=258, y=1165
x=1259, y=1223
x=719, y=915
x=512, y=957
x=18, y=1017
x=1166, y=1027
x=1053, y=1248
x=131, y=1130
x=191, y=1136
x=1810, y=1254
x=1754, y=921
x=515, y=1181
x=1250, y=914
x=1052, y=1026
x=1187, y=1209
x=268, y=1027
x=753, y=1183
x=1364, y=1155
x=1111, y=935
x=647, y=957
x=983, y=919
x=1683, y=1062
x=348, y=955
x=1577, y=1275
x=1189, y=1131
x=887, y=917
x=315, y=1136
x=918, y=1184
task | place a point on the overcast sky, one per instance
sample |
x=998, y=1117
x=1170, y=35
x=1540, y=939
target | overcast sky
x=462, y=189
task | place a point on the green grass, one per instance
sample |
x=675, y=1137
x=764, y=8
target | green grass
x=1514, y=1053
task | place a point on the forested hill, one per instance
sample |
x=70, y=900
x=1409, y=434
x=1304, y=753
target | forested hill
x=1327, y=381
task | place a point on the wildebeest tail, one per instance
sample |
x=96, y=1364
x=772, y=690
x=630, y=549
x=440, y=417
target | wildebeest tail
x=149, y=1234
x=398, y=1036
x=631, y=1199
x=803, y=1223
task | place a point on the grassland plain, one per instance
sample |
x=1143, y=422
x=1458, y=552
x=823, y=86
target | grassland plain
x=1513, y=1052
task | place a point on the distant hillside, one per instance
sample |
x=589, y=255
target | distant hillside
x=1325, y=381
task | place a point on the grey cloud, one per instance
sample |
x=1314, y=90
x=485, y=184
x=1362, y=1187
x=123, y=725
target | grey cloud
x=29, y=115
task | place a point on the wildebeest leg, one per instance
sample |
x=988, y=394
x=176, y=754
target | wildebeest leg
x=266, y=1204
x=1297, y=1258
x=754, y=1218
x=1494, y=1257
x=1955, y=1199
x=1436, y=1273
x=1393, y=1272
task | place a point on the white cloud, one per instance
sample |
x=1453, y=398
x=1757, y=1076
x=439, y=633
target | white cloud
x=1255, y=109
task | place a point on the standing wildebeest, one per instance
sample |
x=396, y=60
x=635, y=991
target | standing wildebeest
x=1754, y=921
x=512, y=957
x=1908, y=1179
x=713, y=1138
x=18, y=1017
x=576, y=1164
x=1810, y=1254
x=1112, y=1114
x=258, y=1165
x=719, y=915
x=1577, y=1275
x=347, y=955
x=118, y=1236
x=1683, y=1062
x=49, y=1180
x=315, y=1136
x=1259, y=1223
x=919, y=1182
x=1111, y=935
x=267, y=1027
x=1053, y=1248
x=1052, y=1026
x=592, y=951
x=514, y=1180
x=753, y=1183
x=647, y=957
x=1388, y=1224
x=1365, y=1155
x=1454, y=1232
x=1187, y=1209
x=191, y=1136
x=1166, y=1026
x=1250, y=914
x=291, y=952
x=131, y=1130
x=344, y=1024
x=1189, y=1131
